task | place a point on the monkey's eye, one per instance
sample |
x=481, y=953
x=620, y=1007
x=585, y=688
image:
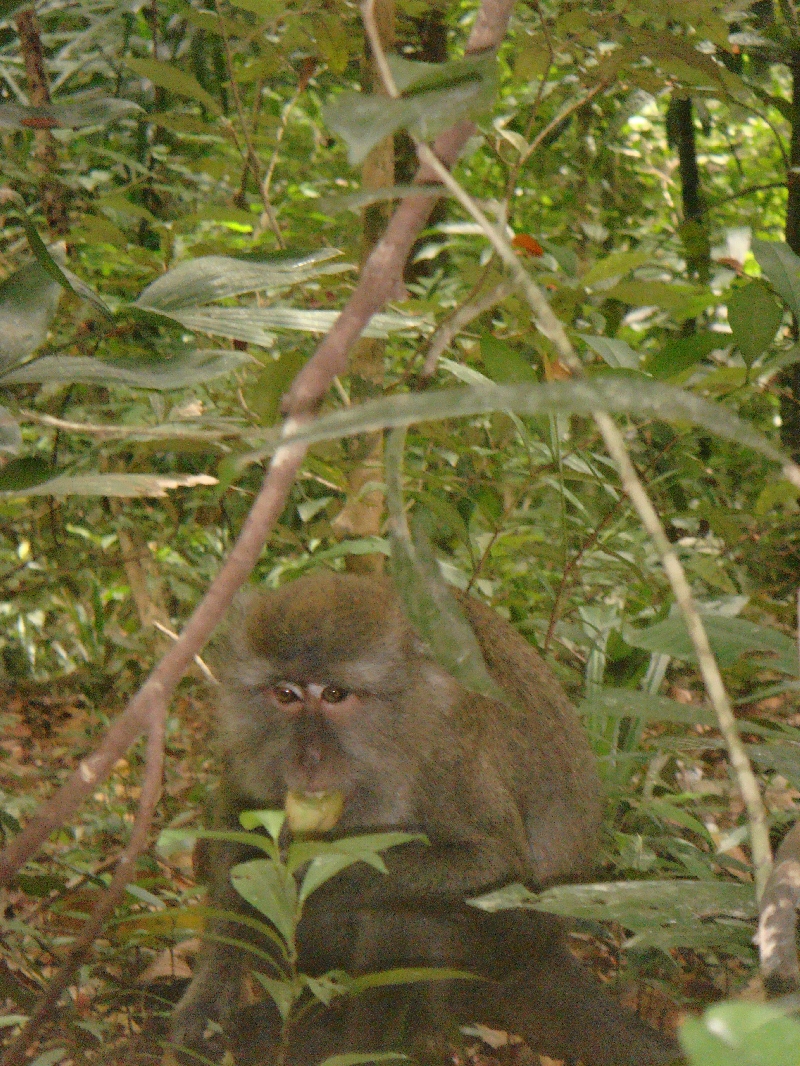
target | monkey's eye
x=285, y=694
x=334, y=694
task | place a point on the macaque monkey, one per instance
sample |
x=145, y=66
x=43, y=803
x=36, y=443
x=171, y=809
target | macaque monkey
x=328, y=694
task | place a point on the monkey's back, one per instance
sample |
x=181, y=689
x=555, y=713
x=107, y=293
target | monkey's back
x=546, y=751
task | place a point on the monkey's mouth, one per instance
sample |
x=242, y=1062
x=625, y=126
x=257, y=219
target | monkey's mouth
x=313, y=812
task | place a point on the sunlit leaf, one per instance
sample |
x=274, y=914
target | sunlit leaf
x=255, y=324
x=122, y=485
x=215, y=277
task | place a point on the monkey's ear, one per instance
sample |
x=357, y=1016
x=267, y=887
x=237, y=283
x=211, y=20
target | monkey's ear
x=234, y=632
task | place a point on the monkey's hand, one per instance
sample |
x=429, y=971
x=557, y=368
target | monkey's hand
x=196, y=1025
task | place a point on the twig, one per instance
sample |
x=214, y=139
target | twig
x=446, y=333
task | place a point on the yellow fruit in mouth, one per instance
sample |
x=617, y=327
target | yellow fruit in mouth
x=313, y=812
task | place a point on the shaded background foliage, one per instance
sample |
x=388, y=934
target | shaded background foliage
x=636, y=152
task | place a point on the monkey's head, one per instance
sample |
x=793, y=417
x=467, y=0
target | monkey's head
x=319, y=689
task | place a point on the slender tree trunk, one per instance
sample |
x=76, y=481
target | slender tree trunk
x=694, y=229
x=45, y=157
x=790, y=378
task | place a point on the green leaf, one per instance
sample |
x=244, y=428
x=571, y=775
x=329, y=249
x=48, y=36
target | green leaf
x=742, y=1034
x=10, y=433
x=272, y=821
x=360, y=1058
x=504, y=364
x=410, y=975
x=730, y=638
x=781, y=267
x=642, y=398
x=179, y=370
x=281, y=992
x=615, y=353
x=180, y=839
x=683, y=301
x=271, y=890
x=217, y=277
x=615, y=265
x=165, y=76
x=322, y=869
x=636, y=905
x=440, y=95
x=356, y=201
x=263, y=394
x=254, y=324
x=23, y=473
x=781, y=757
x=50, y=262
x=28, y=302
x=324, y=856
x=431, y=607
x=327, y=987
x=755, y=316
x=634, y=703
x=122, y=485
x=681, y=354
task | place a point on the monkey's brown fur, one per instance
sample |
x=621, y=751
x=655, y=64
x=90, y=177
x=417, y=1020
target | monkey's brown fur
x=504, y=791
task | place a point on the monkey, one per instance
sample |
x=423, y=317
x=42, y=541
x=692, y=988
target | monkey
x=327, y=690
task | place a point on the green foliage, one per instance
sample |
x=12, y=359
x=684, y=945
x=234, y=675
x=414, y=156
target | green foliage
x=278, y=886
x=200, y=153
x=742, y=1034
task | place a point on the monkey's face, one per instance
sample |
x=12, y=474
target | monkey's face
x=320, y=694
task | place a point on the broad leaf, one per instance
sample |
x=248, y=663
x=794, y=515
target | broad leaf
x=215, y=277
x=681, y=354
x=730, y=638
x=271, y=890
x=504, y=364
x=643, y=398
x=634, y=904
x=438, y=96
x=742, y=1034
x=615, y=353
x=410, y=975
x=430, y=605
x=165, y=76
x=615, y=265
x=281, y=992
x=179, y=370
x=122, y=485
x=28, y=302
x=755, y=316
x=634, y=703
x=781, y=267
x=254, y=324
